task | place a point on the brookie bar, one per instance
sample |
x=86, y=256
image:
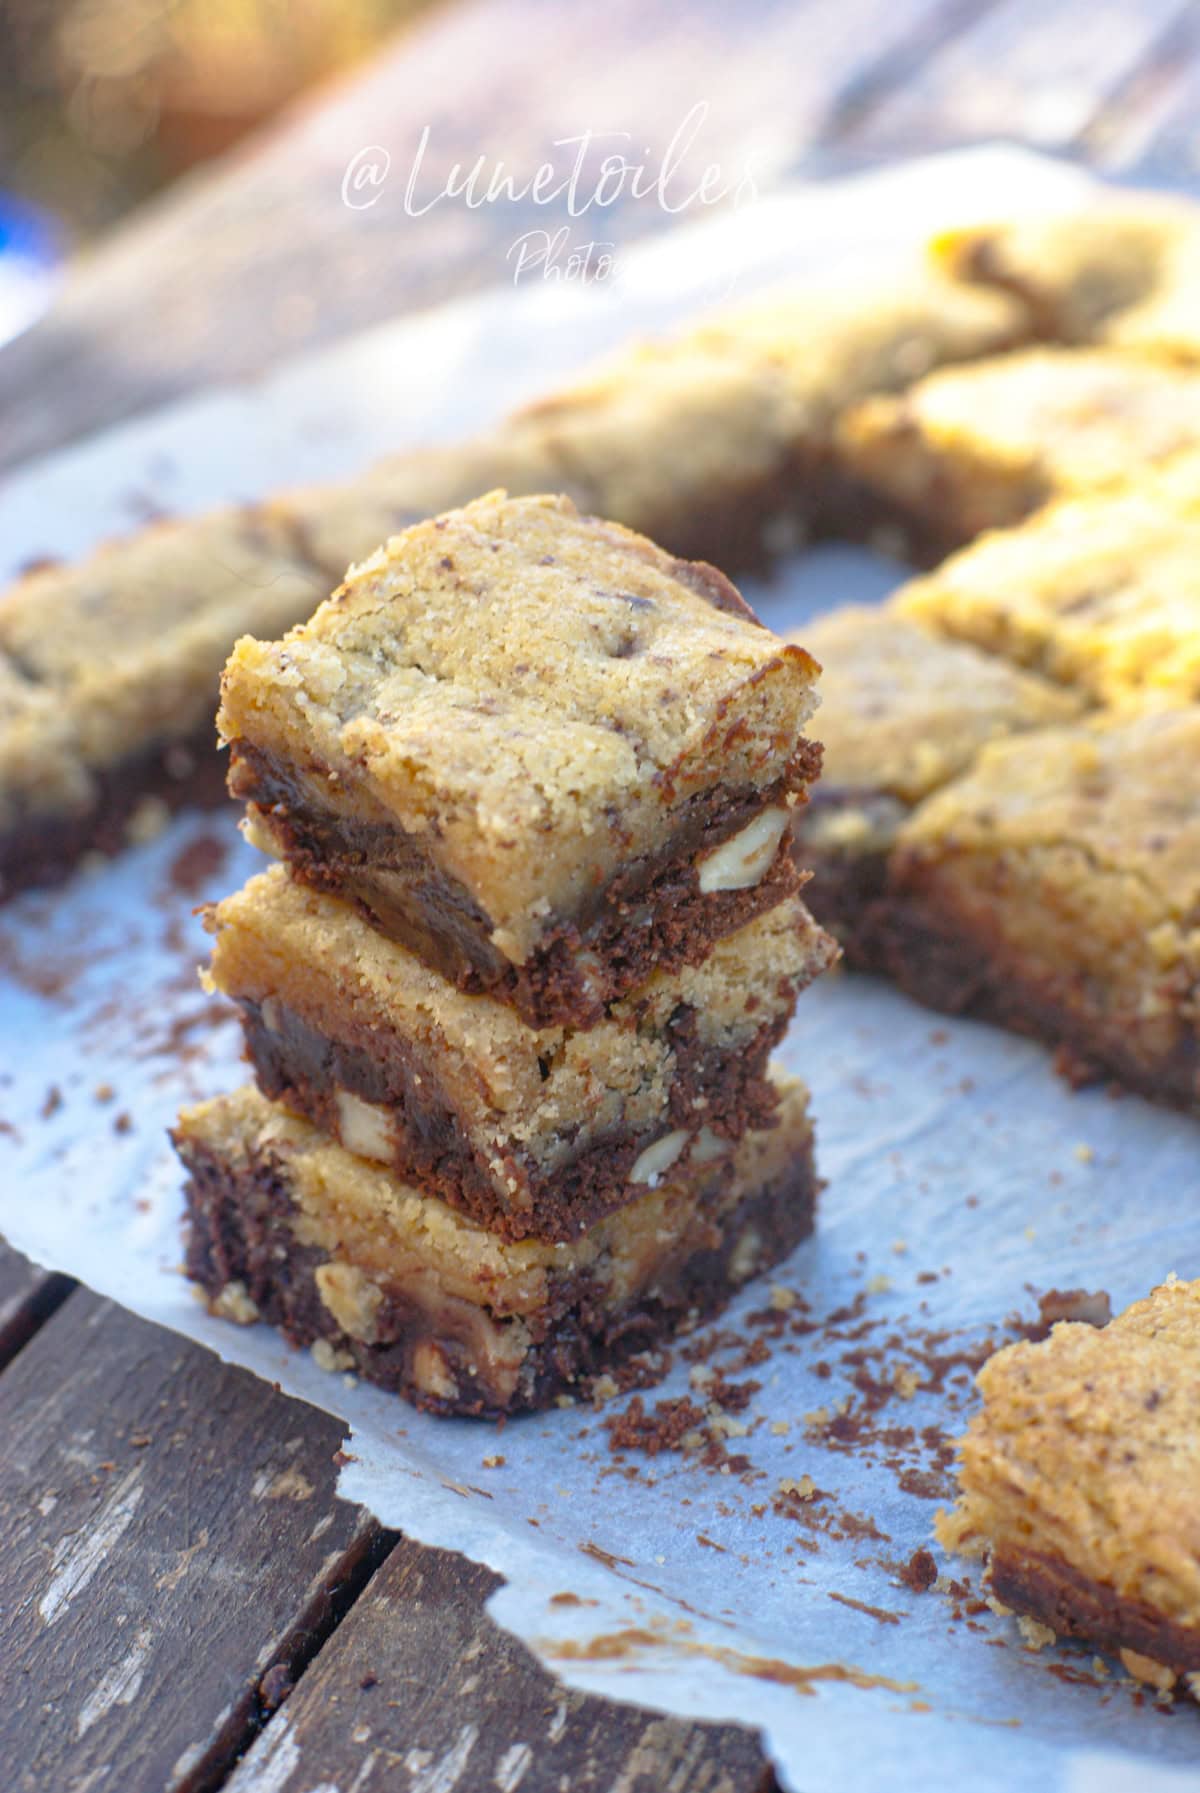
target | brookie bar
x=1055, y=888
x=714, y=442
x=902, y=714
x=717, y=442
x=109, y=673
x=379, y=1277
x=1079, y=1480
x=1124, y=271
x=531, y=1131
x=1100, y=593
x=542, y=753
x=979, y=447
x=47, y=793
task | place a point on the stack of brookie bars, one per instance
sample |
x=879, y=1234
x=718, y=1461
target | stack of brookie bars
x=511, y=1036
x=511, y=987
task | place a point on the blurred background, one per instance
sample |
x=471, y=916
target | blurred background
x=172, y=203
x=103, y=102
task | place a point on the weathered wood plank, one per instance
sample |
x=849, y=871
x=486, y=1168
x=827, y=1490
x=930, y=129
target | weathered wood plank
x=261, y=258
x=417, y=1688
x=169, y=1536
x=1028, y=70
x=28, y=1297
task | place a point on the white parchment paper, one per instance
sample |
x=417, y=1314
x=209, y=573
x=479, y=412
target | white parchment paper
x=962, y=1176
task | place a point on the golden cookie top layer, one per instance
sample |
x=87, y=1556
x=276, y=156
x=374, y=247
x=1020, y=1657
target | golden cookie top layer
x=1117, y=800
x=1087, y=416
x=875, y=335
x=1087, y=1450
x=530, y=692
x=141, y=628
x=1102, y=593
x=399, y=1231
x=1061, y=420
x=903, y=712
x=665, y=426
x=41, y=766
x=1125, y=271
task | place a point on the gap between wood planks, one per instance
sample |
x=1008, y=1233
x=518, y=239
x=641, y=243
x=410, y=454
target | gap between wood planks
x=173, y=1552
x=419, y=1690
x=28, y=1298
x=174, y=1618
x=293, y=1657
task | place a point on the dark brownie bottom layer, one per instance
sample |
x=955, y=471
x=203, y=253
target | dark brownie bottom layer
x=845, y=508
x=651, y=917
x=240, y=1234
x=844, y=896
x=848, y=880
x=728, y=1092
x=1072, y=1605
x=43, y=850
x=811, y=498
x=935, y=958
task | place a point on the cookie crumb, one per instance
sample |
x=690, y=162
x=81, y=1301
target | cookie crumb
x=1035, y=1635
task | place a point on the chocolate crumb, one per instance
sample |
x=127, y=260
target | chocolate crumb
x=275, y=1687
x=660, y=1429
x=733, y=1397
x=1089, y=1307
x=926, y=1484
x=919, y=1573
x=198, y=864
x=879, y=1613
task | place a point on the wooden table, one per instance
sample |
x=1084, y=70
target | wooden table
x=173, y=1560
